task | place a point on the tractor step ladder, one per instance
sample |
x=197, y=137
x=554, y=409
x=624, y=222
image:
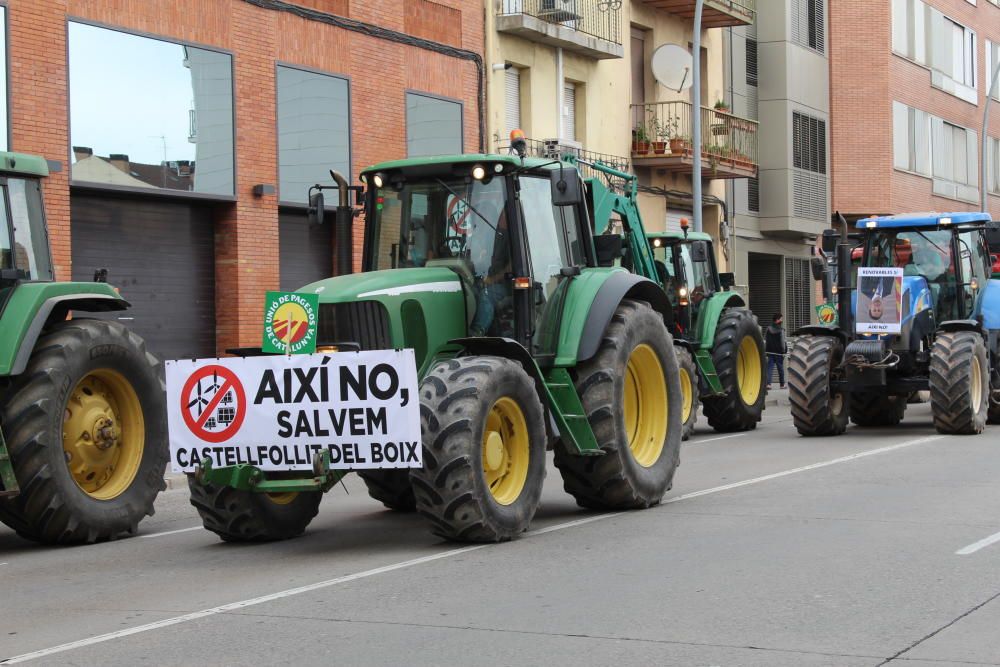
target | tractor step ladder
x=707, y=367
x=8, y=482
x=568, y=412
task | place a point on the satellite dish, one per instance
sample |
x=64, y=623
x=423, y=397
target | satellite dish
x=672, y=66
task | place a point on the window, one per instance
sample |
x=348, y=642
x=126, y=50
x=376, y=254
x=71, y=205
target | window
x=925, y=35
x=512, y=98
x=808, y=143
x=992, y=65
x=993, y=165
x=314, y=130
x=911, y=132
x=753, y=195
x=433, y=126
x=808, y=24
x=147, y=113
x=751, y=62
x=955, y=161
x=569, y=111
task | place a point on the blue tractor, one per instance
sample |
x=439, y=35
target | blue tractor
x=920, y=312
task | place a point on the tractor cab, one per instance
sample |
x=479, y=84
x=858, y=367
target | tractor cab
x=24, y=243
x=686, y=265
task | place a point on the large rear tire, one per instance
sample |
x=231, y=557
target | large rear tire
x=86, y=428
x=960, y=383
x=816, y=408
x=243, y=516
x=738, y=354
x=689, y=391
x=873, y=409
x=391, y=487
x=632, y=397
x=484, y=449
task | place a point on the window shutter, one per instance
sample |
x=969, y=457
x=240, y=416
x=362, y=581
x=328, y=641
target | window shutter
x=569, y=112
x=753, y=195
x=513, y=99
x=751, y=62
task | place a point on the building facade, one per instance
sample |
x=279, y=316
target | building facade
x=909, y=80
x=575, y=75
x=778, y=74
x=184, y=138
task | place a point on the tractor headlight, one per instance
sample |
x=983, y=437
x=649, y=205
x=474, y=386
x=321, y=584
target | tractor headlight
x=378, y=180
x=682, y=291
x=479, y=172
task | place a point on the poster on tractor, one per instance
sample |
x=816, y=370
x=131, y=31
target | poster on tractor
x=290, y=323
x=880, y=300
x=277, y=412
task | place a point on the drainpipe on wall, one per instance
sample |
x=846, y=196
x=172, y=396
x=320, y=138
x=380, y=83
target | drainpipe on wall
x=986, y=138
x=696, y=116
x=559, y=94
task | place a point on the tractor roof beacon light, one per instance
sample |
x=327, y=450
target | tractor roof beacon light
x=518, y=143
x=684, y=226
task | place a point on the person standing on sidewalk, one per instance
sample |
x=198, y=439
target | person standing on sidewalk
x=776, y=347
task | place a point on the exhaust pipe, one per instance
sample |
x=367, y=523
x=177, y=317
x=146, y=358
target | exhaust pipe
x=844, y=295
x=343, y=226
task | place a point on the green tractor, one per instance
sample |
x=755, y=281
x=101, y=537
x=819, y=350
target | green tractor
x=720, y=349
x=486, y=267
x=83, y=433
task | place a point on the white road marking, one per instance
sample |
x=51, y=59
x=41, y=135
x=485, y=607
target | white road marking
x=721, y=437
x=976, y=546
x=171, y=532
x=242, y=604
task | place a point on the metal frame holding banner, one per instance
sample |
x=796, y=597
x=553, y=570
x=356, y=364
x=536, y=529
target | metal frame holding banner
x=880, y=300
x=278, y=412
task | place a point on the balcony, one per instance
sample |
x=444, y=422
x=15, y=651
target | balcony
x=589, y=27
x=661, y=138
x=716, y=13
x=551, y=148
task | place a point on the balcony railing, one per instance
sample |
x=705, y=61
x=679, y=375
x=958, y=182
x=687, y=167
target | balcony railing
x=661, y=137
x=716, y=13
x=590, y=27
x=554, y=150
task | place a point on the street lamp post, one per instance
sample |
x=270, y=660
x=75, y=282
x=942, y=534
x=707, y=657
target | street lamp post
x=986, y=137
x=696, y=116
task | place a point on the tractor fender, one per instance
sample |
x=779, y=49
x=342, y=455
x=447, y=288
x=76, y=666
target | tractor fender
x=821, y=330
x=989, y=306
x=710, y=311
x=582, y=344
x=56, y=308
x=961, y=325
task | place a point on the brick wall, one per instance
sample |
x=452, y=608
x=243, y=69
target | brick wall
x=865, y=78
x=247, y=232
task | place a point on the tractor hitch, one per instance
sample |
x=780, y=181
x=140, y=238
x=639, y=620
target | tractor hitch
x=246, y=477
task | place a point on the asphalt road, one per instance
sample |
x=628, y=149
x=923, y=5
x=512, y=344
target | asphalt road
x=770, y=550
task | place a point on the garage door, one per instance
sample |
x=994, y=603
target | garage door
x=764, y=286
x=306, y=250
x=161, y=255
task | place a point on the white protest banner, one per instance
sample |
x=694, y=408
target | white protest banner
x=275, y=412
x=880, y=300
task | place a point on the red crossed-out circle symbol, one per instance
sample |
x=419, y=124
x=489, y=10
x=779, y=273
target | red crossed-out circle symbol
x=213, y=403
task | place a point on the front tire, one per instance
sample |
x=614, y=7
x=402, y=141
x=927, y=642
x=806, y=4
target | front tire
x=960, y=383
x=689, y=391
x=484, y=449
x=391, y=487
x=738, y=354
x=86, y=428
x=816, y=408
x=244, y=516
x=630, y=392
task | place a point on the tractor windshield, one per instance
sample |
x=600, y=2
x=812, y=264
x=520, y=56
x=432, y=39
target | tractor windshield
x=23, y=239
x=919, y=253
x=441, y=222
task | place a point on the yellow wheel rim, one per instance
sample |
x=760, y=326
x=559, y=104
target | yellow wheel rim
x=748, y=370
x=976, y=385
x=104, y=434
x=282, y=498
x=687, y=396
x=506, y=451
x=645, y=405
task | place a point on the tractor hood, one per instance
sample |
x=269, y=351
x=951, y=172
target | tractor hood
x=391, y=283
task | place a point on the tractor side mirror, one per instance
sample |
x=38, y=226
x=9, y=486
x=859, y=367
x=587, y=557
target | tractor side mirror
x=727, y=280
x=608, y=247
x=566, y=190
x=316, y=208
x=830, y=241
x=699, y=251
x=818, y=267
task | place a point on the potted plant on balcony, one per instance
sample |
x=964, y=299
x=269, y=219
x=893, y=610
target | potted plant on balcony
x=678, y=142
x=660, y=134
x=640, y=140
x=722, y=105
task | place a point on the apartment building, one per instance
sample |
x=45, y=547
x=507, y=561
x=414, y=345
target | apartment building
x=575, y=75
x=777, y=73
x=184, y=137
x=909, y=80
